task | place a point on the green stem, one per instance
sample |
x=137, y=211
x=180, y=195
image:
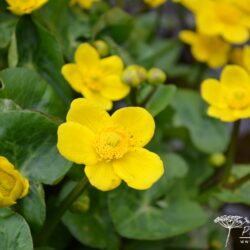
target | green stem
x=52, y=222
x=231, y=152
x=133, y=96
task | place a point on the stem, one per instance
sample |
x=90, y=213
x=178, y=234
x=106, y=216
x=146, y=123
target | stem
x=52, y=221
x=148, y=97
x=228, y=236
x=231, y=152
x=238, y=182
x=133, y=96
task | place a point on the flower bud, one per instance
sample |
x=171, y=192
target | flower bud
x=217, y=159
x=156, y=76
x=134, y=75
x=81, y=205
x=13, y=185
x=102, y=47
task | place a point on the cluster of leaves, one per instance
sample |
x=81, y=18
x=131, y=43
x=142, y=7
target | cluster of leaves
x=34, y=99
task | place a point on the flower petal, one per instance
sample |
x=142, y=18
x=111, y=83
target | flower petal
x=102, y=176
x=112, y=65
x=235, y=34
x=98, y=99
x=86, y=56
x=140, y=168
x=88, y=114
x=114, y=89
x=225, y=115
x=76, y=143
x=138, y=122
x=235, y=76
x=73, y=76
x=212, y=93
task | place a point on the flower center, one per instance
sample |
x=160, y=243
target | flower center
x=112, y=143
x=92, y=81
x=238, y=99
x=7, y=182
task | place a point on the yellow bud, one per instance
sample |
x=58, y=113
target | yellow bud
x=156, y=76
x=13, y=185
x=81, y=205
x=231, y=179
x=217, y=159
x=134, y=75
x=102, y=47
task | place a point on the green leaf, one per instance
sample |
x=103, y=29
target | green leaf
x=30, y=91
x=28, y=140
x=38, y=49
x=32, y=207
x=8, y=105
x=207, y=134
x=94, y=227
x=14, y=231
x=7, y=28
x=115, y=23
x=239, y=194
x=137, y=216
x=160, y=99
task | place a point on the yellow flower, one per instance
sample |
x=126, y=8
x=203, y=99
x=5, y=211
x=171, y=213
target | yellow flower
x=85, y=4
x=13, y=185
x=21, y=7
x=229, y=98
x=97, y=79
x=155, y=3
x=209, y=49
x=111, y=147
x=241, y=56
x=223, y=18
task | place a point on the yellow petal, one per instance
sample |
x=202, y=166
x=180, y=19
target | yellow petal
x=86, y=56
x=138, y=122
x=76, y=143
x=114, y=89
x=112, y=65
x=26, y=186
x=88, y=114
x=235, y=76
x=237, y=34
x=225, y=115
x=140, y=168
x=102, y=176
x=212, y=93
x=98, y=99
x=188, y=37
x=6, y=165
x=6, y=201
x=73, y=76
x=242, y=113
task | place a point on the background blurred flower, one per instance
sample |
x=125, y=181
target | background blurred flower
x=223, y=18
x=97, y=79
x=229, y=98
x=110, y=147
x=208, y=49
x=20, y=7
x=13, y=185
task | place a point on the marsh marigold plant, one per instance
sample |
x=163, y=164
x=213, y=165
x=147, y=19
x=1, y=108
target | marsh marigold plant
x=20, y=7
x=228, y=98
x=13, y=185
x=111, y=147
x=96, y=79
